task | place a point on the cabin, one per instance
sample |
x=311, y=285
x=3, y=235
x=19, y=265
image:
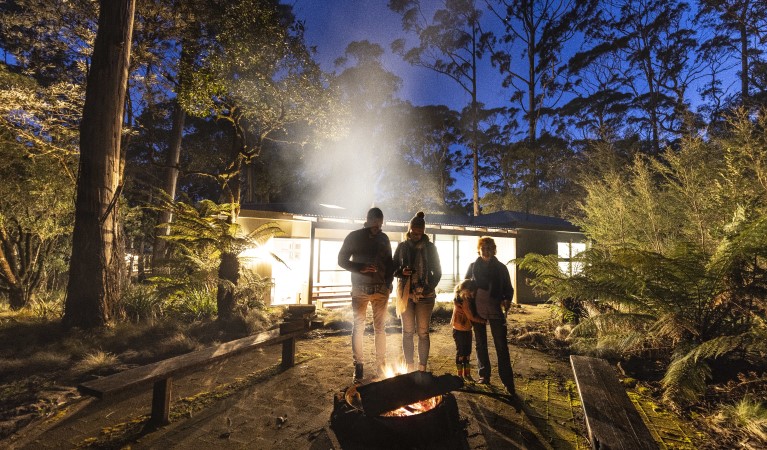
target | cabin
x=308, y=272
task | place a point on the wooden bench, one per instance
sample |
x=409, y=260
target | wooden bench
x=612, y=420
x=160, y=374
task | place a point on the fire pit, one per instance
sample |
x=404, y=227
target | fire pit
x=407, y=410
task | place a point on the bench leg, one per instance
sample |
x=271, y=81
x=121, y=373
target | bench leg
x=161, y=402
x=289, y=353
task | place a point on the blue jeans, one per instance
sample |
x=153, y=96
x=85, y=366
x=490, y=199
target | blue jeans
x=498, y=330
x=416, y=318
x=360, y=302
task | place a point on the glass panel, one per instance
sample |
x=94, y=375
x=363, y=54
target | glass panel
x=289, y=278
x=563, y=250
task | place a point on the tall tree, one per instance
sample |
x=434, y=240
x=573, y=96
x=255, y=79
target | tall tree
x=451, y=44
x=428, y=142
x=653, y=41
x=95, y=267
x=740, y=28
x=37, y=150
x=255, y=73
x=368, y=92
x=537, y=31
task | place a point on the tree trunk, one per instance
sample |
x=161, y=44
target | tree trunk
x=171, y=180
x=95, y=267
x=228, y=270
x=19, y=297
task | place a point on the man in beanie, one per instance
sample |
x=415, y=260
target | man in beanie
x=366, y=253
x=417, y=266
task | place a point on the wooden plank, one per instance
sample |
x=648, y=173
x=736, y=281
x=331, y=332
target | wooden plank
x=109, y=386
x=612, y=420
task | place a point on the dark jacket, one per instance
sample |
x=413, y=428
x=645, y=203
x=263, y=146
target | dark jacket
x=494, y=277
x=404, y=256
x=361, y=248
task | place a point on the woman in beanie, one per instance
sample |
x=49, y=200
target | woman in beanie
x=416, y=265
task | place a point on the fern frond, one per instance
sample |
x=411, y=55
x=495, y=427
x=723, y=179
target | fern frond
x=685, y=379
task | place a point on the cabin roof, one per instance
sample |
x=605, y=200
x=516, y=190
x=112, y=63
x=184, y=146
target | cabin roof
x=507, y=220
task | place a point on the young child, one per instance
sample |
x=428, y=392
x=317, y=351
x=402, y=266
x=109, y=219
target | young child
x=461, y=322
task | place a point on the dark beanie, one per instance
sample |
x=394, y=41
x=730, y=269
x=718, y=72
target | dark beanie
x=417, y=220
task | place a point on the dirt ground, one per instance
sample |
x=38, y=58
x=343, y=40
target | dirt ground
x=248, y=402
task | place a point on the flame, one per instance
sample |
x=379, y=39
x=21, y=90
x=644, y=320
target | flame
x=393, y=370
x=415, y=408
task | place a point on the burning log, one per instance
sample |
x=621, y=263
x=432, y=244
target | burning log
x=403, y=390
x=412, y=409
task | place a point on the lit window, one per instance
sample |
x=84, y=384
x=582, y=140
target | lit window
x=566, y=251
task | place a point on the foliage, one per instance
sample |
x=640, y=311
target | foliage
x=35, y=195
x=678, y=266
x=748, y=416
x=205, y=243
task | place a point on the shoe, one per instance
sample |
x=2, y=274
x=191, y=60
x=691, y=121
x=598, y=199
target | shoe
x=510, y=389
x=483, y=380
x=358, y=373
x=467, y=376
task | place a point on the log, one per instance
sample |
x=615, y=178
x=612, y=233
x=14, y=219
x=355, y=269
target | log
x=392, y=393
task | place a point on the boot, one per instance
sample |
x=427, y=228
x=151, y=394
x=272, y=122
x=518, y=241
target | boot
x=358, y=374
x=467, y=372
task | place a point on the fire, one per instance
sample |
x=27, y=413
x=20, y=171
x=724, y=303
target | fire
x=394, y=370
x=415, y=408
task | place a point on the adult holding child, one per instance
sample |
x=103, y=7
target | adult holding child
x=417, y=266
x=492, y=299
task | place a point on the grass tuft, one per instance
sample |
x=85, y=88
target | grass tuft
x=748, y=416
x=96, y=362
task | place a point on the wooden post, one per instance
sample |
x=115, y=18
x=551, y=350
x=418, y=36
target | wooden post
x=289, y=353
x=161, y=402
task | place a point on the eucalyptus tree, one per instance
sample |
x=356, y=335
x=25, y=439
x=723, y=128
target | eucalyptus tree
x=653, y=41
x=96, y=265
x=451, y=43
x=740, y=31
x=252, y=70
x=37, y=150
x=428, y=142
x=51, y=41
x=367, y=91
x=530, y=54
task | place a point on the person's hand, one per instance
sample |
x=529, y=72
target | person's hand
x=369, y=268
x=506, y=304
x=407, y=271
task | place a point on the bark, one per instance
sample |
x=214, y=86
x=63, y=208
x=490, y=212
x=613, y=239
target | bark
x=95, y=267
x=171, y=181
x=228, y=270
x=22, y=257
x=19, y=297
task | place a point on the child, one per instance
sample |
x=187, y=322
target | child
x=461, y=321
